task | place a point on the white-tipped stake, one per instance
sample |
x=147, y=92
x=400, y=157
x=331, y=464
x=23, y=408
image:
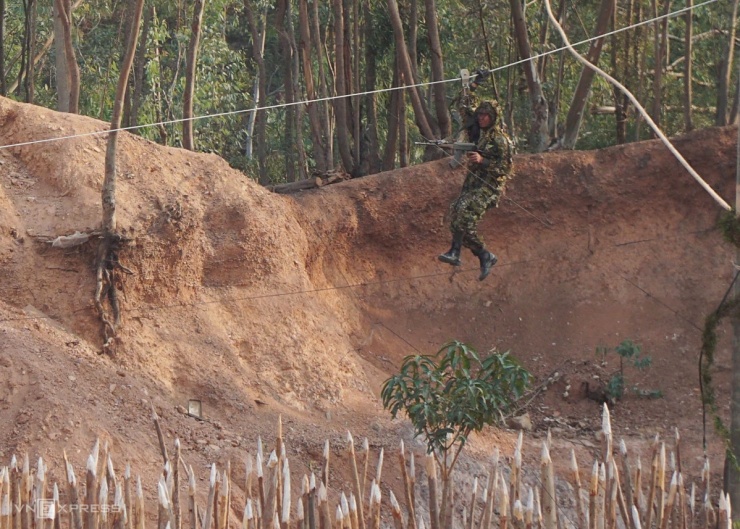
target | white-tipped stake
x=260, y=452
x=344, y=504
x=71, y=479
x=323, y=495
x=286, y=492
x=339, y=516
x=248, y=511
x=273, y=461
x=212, y=479
x=259, y=465
x=299, y=510
x=326, y=449
x=91, y=464
x=394, y=503
x=312, y=482
x=162, y=495
x=139, y=489
x=353, y=501
x=402, y=448
x=380, y=462
x=96, y=452
x=111, y=470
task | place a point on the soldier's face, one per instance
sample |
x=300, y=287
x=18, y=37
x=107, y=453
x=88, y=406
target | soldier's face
x=485, y=120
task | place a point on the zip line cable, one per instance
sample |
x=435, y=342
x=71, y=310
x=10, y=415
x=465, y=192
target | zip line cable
x=357, y=94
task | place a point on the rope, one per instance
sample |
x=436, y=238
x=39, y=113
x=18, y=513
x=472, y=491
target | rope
x=358, y=94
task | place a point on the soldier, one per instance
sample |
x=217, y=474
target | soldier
x=488, y=169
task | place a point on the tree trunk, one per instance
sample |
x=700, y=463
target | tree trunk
x=281, y=24
x=60, y=59
x=340, y=103
x=438, y=89
x=725, y=71
x=539, y=136
x=298, y=110
x=3, y=91
x=107, y=259
x=403, y=133
x=260, y=118
x=324, y=107
x=29, y=64
x=391, y=139
x=68, y=78
x=371, y=112
x=139, y=68
x=413, y=39
x=356, y=87
x=575, y=113
x=660, y=44
x=639, y=59
x=304, y=45
x=427, y=129
x=733, y=482
x=688, y=65
x=188, y=142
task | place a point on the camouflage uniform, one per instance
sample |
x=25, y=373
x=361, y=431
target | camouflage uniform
x=485, y=182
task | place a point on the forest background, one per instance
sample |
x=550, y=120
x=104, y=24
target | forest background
x=225, y=58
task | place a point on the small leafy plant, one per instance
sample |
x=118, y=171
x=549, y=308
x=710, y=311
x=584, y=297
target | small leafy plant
x=630, y=354
x=453, y=393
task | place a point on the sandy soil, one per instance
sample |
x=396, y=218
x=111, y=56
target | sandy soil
x=262, y=305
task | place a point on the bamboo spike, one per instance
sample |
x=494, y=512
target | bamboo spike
x=248, y=476
x=365, y=461
x=503, y=509
x=638, y=496
x=516, y=469
x=304, y=500
x=538, y=508
x=636, y=517
x=15, y=494
x=613, y=495
x=325, y=468
x=5, y=509
x=661, y=485
x=473, y=499
x=377, y=498
x=517, y=515
x=268, y=514
x=285, y=519
x=682, y=514
x=26, y=494
x=491, y=493
x=670, y=501
x=129, y=522
x=549, y=504
x=593, y=493
x=356, y=478
x=300, y=514
x=324, y=510
x=650, y=506
x=619, y=497
x=192, y=506
x=353, y=507
x=339, y=518
x=692, y=505
x=140, y=521
x=260, y=477
x=90, y=487
x=57, y=522
x=396, y=511
x=211, y=496
x=175, y=492
x=606, y=430
x=164, y=507
x=379, y=468
x=311, y=518
x=248, y=515
x=40, y=493
x=529, y=510
x=344, y=504
x=599, y=510
x=102, y=505
x=412, y=478
x=280, y=452
x=580, y=503
x=630, y=501
x=431, y=470
x=224, y=498
x=407, y=488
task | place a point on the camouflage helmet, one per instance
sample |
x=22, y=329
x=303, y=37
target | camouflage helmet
x=488, y=107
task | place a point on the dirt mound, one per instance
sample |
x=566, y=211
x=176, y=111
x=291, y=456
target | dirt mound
x=261, y=304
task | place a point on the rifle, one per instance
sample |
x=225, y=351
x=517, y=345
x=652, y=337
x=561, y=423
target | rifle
x=458, y=148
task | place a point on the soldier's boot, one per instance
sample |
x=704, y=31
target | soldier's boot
x=487, y=260
x=453, y=254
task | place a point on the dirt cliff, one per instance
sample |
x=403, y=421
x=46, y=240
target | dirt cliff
x=262, y=305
